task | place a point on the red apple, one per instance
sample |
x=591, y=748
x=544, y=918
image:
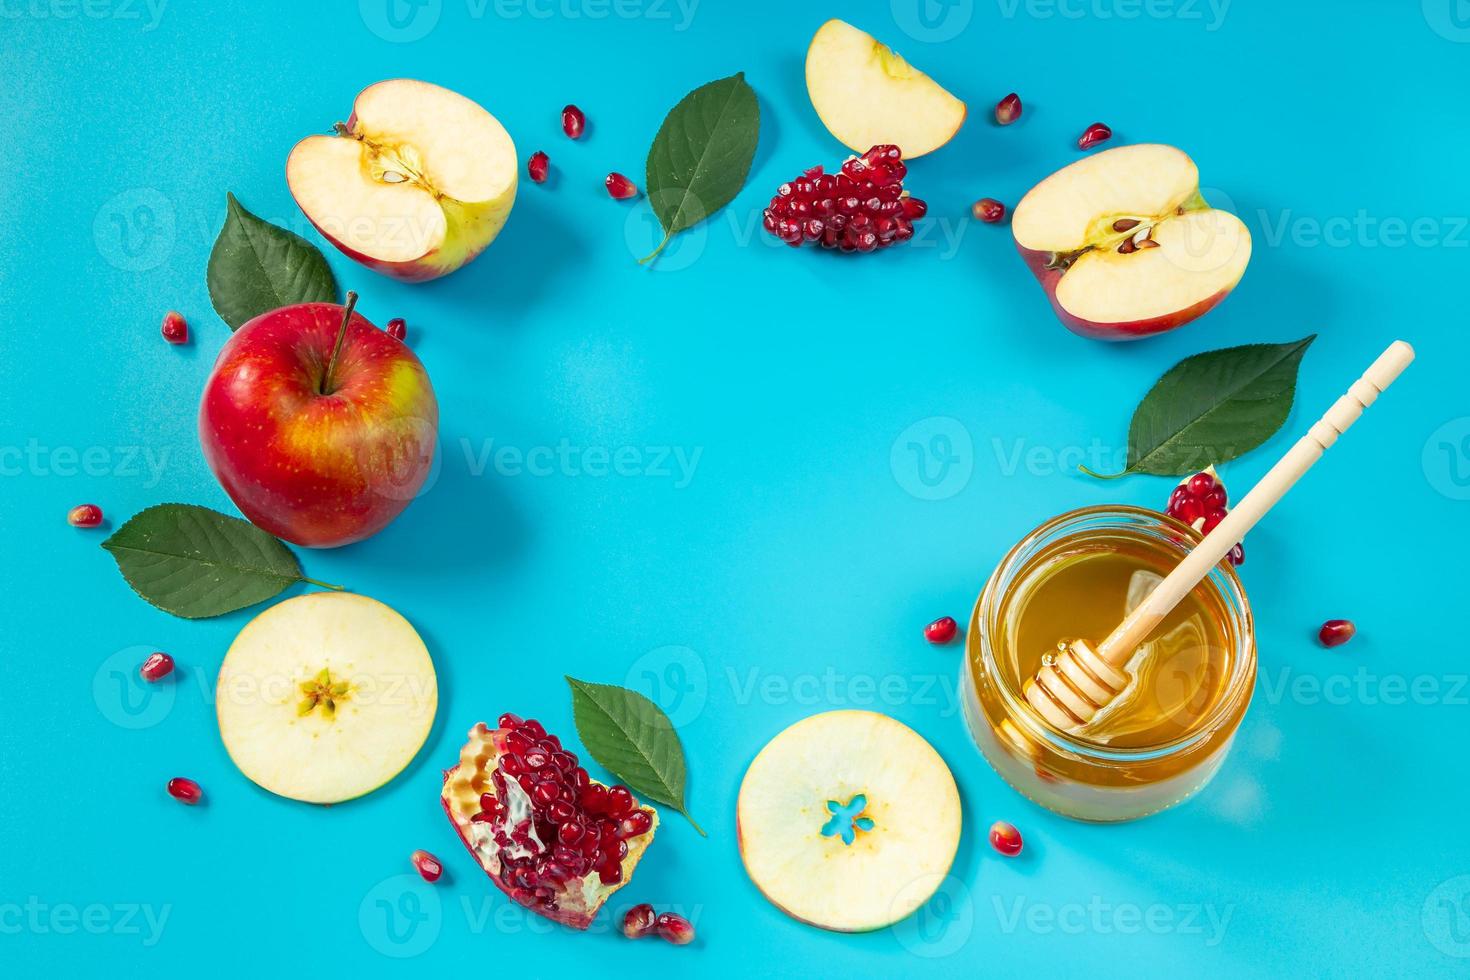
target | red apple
x=1124, y=244
x=319, y=426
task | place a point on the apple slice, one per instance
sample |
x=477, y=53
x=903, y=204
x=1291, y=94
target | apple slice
x=416, y=183
x=325, y=697
x=866, y=94
x=848, y=820
x=1124, y=244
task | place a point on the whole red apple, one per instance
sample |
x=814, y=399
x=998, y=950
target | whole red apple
x=319, y=426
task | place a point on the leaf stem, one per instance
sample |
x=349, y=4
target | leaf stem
x=327, y=380
x=668, y=236
x=323, y=585
x=1101, y=476
x=693, y=824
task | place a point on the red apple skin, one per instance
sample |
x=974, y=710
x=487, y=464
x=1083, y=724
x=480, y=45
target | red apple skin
x=1127, y=330
x=319, y=470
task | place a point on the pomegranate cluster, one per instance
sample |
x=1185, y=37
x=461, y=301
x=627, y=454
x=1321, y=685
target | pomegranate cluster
x=861, y=209
x=552, y=824
x=1199, y=501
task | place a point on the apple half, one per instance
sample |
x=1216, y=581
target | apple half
x=1124, y=244
x=415, y=184
x=325, y=697
x=848, y=820
x=867, y=95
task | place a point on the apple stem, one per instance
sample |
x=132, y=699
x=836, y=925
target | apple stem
x=322, y=585
x=327, y=386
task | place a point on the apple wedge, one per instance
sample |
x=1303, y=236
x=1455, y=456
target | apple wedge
x=866, y=94
x=415, y=184
x=325, y=697
x=1125, y=246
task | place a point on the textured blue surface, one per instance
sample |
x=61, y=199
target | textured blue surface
x=788, y=562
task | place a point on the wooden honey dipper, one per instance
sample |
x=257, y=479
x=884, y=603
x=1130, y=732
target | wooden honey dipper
x=1071, y=689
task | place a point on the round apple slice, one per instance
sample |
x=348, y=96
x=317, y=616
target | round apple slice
x=848, y=820
x=325, y=697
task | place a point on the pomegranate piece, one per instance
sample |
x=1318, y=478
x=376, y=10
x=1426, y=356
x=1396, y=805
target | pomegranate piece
x=175, y=328
x=1199, y=501
x=1093, y=135
x=988, y=210
x=1005, y=838
x=427, y=865
x=674, y=928
x=156, y=667
x=538, y=166
x=573, y=121
x=863, y=208
x=619, y=187
x=1336, y=632
x=942, y=630
x=84, y=515
x=397, y=328
x=185, y=790
x=639, y=921
x=547, y=834
x=1008, y=109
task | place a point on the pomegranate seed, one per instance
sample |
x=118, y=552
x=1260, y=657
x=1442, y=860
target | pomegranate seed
x=1212, y=519
x=1008, y=109
x=1093, y=135
x=508, y=720
x=620, y=187
x=639, y=921
x=635, y=824
x=573, y=121
x=942, y=630
x=1237, y=555
x=1005, y=838
x=185, y=790
x=175, y=328
x=1200, y=484
x=863, y=208
x=674, y=928
x=988, y=210
x=157, y=666
x=427, y=865
x=538, y=166
x=619, y=801
x=84, y=515
x=397, y=328
x=1336, y=632
x=532, y=728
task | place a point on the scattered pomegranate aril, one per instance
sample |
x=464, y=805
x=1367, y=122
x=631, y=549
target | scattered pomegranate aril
x=1005, y=838
x=397, y=328
x=674, y=928
x=538, y=166
x=988, y=210
x=620, y=187
x=84, y=515
x=427, y=865
x=1199, y=501
x=185, y=790
x=862, y=208
x=1008, y=109
x=942, y=630
x=639, y=921
x=1093, y=135
x=175, y=328
x=156, y=667
x=1336, y=632
x=573, y=121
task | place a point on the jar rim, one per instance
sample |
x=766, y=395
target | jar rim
x=1223, y=577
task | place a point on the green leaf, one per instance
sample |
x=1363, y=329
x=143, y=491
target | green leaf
x=633, y=739
x=195, y=562
x=701, y=156
x=1213, y=407
x=256, y=267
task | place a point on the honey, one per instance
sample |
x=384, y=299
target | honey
x=1164, y=737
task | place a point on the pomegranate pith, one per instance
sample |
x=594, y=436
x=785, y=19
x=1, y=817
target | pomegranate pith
x=573, y=121
x=1336, y=632
x=861, y=209
x=1005, y=838
x=175, y=328
x=427, y=865
x=942, y=630
x=157, y=666
x=84, y=515
x=185, y=790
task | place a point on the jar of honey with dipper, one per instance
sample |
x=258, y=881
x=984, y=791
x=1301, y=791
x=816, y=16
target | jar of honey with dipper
x=1143, y=719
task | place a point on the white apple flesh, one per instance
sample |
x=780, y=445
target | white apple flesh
x=416, y=183
x=867, y=95
x=325, y=697
x=1124, y=244
x=888, y=868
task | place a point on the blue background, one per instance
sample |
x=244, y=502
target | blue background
x=794, y=570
